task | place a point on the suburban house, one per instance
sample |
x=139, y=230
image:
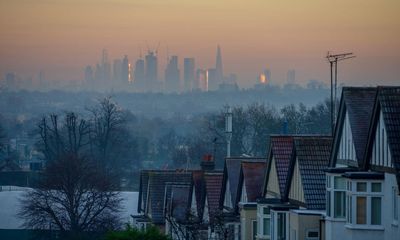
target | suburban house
x=306, y=186
x=152, y=191
x=273, y=189
x=250, y=189
x=364, y=166
x=310, y=187
x=228, y=201
x=211, y=212
x=176, y=210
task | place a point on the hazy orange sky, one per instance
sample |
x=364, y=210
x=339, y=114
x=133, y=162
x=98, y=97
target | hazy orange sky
x=63, y=36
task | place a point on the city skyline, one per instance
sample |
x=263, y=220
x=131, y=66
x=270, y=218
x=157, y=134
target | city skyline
x=61, y=37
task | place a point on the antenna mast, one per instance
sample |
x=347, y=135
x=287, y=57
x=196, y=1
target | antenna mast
x=333, y=60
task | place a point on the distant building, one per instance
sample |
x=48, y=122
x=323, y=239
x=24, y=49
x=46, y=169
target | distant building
x=151, y=71
x=219, y=66
x=212, y=78
x=267, y=74
x=117, y=71
x=201, y=82
x=88, y=75
x=189, y=73
x=139, y=80
x=291, y=76
x=125, y=71
x=172, y=73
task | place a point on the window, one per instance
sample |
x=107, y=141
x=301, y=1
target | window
x=376, y=208
x=281, y=226
x=365, y=203
x=312, y=234
x=336, y=196
x=361, y=210
x=254, y=229
x=339, y=197
x=395, y=205
x=264, y=222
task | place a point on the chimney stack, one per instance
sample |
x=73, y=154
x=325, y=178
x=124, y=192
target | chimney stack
x=207, y=164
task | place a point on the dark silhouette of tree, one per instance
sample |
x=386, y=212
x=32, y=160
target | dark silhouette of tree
x=108, y=126
x=74, y=196
x=59, y=138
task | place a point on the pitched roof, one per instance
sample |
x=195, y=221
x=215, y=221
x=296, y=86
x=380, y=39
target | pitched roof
x=231, y=174
x=312, y=156
x=157, y=180
x=199, y=188
x=281, y=151
x=387, y=101
x=252, y=175
x=179, y=202
x=358, y=102
x=213, y=182
x=143, y=183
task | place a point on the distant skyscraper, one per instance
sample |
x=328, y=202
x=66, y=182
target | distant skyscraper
x=103, y=71
x=291, y=76
x=218, y=65
x=189, y=74
x=201, y=80
x=117, y=71
x=172, y=79
x=139, y=75
x=125, y=74
x=267, y=74
x=151, y=71
x=212, y=79
x=89, y=75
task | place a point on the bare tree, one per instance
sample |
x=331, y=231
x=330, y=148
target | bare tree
x=58, y=138
x=107, y=127
x=74, y=197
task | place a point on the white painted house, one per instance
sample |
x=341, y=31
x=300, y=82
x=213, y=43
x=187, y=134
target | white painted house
x=363, y=179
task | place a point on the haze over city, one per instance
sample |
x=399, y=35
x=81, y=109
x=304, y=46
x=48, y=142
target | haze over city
x=62, y=37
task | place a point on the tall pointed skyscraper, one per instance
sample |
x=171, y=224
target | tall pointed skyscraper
x=218, y=65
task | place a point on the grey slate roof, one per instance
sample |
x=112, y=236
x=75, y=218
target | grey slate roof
x=231, y=174
x=312, y=154
x=155, y=190
x=178, y=202
x=387, y=101
x=281, y=150
x=359, y=103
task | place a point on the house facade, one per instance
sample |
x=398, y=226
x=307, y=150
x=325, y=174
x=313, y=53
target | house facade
x=363, y=178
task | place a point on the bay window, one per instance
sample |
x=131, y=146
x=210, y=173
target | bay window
x=336, y=196
x=364, y=200
x=264, y=222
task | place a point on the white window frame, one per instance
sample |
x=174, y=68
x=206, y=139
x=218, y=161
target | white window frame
x=254, y=234
x=274, y=223
x=395, y=206
x=351, y=205
x=330, y=191
x=260, y=222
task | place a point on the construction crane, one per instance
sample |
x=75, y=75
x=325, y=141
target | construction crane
x=333, y=60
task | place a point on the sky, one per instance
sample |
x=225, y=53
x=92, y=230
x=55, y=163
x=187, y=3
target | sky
x=62, y=37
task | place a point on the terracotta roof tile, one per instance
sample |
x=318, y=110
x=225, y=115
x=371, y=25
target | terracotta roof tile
x=253, y=173
x=213, y=191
